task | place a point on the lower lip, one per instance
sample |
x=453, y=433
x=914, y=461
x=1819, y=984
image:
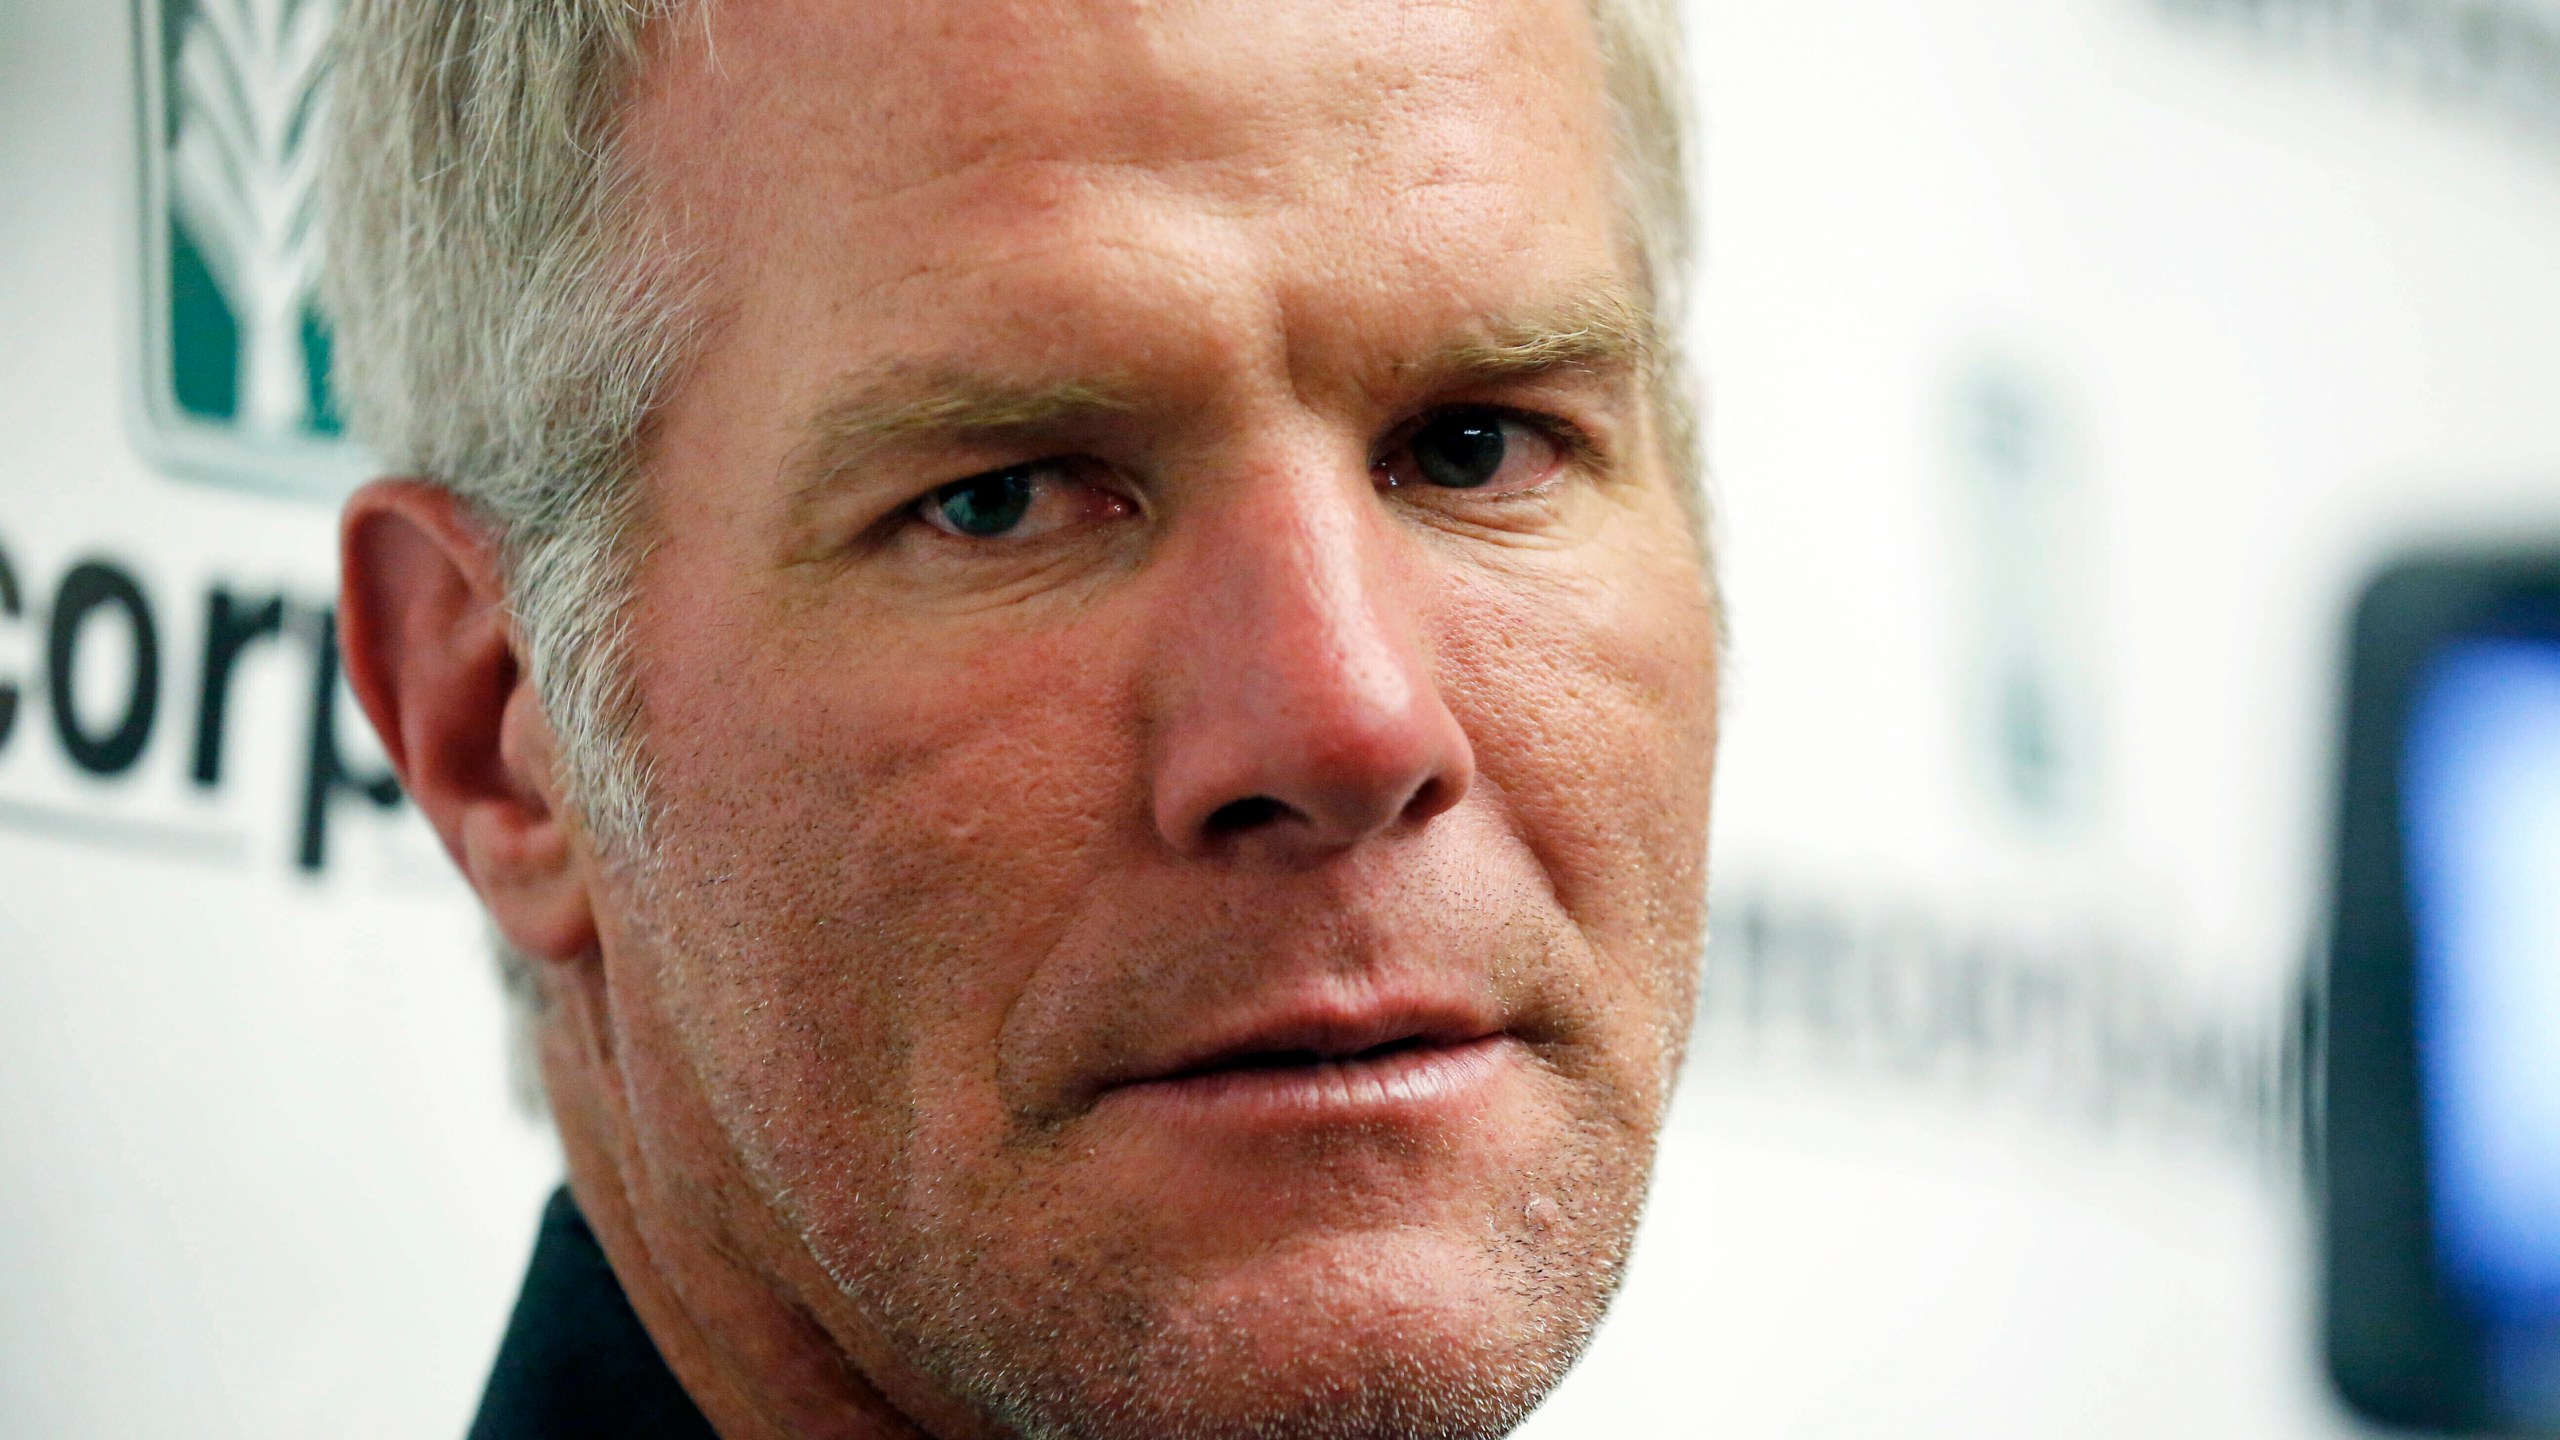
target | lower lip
x=1413, y=1083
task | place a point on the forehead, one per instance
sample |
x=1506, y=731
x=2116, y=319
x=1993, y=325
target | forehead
x=901, y=92
x=1316, y=143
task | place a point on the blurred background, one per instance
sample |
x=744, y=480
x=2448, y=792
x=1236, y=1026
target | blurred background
x=2072, y=366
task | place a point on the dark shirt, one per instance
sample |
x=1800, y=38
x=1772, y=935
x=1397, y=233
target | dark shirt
x=575, y=1362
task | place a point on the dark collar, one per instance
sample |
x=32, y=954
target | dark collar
x=575, y=1362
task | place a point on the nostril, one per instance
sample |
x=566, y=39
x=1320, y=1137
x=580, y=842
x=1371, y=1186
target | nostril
x=1430, y=798
x=1251, y=813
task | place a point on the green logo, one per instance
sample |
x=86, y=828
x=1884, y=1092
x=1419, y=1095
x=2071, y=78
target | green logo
x=234, y=374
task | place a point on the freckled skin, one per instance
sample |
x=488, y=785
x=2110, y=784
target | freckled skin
x=934, y=843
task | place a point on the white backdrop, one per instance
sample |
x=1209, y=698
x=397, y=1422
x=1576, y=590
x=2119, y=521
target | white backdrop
x=2070, y=361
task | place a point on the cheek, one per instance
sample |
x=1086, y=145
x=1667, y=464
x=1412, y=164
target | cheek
x=861, y=856
x=1590, y=696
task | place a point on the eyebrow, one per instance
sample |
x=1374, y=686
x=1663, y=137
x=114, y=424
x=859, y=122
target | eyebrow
x=1595, y=331
x=909, y=407
x=905, y=406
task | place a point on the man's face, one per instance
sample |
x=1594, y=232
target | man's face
x=1180, y=698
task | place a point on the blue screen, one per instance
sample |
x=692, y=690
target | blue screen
x=2481, y=807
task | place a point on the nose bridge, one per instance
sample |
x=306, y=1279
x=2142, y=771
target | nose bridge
x=1309, y=604
x=1304, y=712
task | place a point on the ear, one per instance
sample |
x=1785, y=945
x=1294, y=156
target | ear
x=433, y=656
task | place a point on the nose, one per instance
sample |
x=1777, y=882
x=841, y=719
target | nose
x=1301, y=713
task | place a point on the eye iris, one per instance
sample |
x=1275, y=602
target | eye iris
x=1459, y=451
x=986, y=505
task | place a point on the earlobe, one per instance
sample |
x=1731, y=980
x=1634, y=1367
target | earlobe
x=433, y=657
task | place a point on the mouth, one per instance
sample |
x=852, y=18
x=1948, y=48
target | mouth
x=1329, y=1068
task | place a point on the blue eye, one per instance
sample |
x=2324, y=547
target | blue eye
x=983, y=506
x=1473, y=447
x=1459, y=449
x=1023, y=503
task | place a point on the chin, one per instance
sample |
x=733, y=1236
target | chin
x=1385, y=1335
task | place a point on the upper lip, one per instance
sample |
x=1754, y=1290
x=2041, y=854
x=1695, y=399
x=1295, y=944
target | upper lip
x=1316, y=1031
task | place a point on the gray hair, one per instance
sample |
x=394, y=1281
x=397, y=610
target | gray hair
x=507, y=316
